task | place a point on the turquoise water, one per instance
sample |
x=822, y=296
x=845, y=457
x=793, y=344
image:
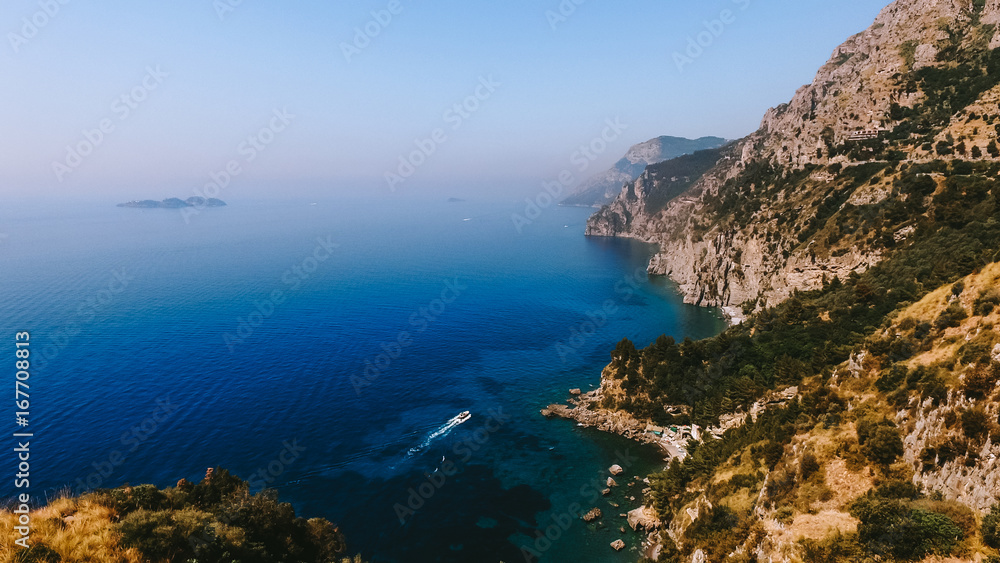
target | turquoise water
x=322, y=350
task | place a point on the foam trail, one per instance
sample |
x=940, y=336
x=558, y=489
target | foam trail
x=443, y=431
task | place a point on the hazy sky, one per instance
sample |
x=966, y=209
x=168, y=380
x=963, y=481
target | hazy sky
x=186, y=88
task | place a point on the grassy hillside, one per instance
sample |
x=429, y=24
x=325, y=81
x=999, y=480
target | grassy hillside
x=217, y=520
x=889, y=453
x=886, y=458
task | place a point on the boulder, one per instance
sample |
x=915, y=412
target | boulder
x=575, y=392
x=612, y=482
x=618, y=545
x=594, y=514
x=606, y=492
x=615, y=469
x=643, y=517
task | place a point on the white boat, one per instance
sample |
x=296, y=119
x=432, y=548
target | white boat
x=463, y=416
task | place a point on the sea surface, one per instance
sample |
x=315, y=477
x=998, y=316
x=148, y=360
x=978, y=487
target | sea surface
x=323, y=348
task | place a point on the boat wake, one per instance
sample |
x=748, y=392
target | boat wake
x=440, y=432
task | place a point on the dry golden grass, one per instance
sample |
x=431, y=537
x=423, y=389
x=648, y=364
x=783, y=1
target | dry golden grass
x=846, y=485
x=819, y=526
x=79, y=530
x=932, y=305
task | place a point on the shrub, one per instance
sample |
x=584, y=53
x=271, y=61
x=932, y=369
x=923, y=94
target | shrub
x=893, y=527
x=975, y=424
x=773, y=452
x=950, y=317
x=987, y=300
x=809, y=465
x=980, y=380
x=991, y=527
x=881, y=443
x=834, y=549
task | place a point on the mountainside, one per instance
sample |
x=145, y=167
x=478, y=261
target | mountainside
x=815, y=192
x=888, y=451
x=602, y=188
x=853, y=415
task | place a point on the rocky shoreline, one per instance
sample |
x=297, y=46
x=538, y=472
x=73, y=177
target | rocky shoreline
x=582, y=408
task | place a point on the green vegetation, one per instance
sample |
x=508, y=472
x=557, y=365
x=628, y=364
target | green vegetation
x=955, y=232
x=991, y=527
x=218, y=519
x=673, y=177
x=894, y=522
x=215, y=521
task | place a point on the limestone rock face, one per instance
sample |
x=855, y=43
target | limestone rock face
x=720, y=259
x=977, y=486
x=643, y=518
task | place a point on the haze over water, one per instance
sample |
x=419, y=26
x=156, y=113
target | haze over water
x=132, y=307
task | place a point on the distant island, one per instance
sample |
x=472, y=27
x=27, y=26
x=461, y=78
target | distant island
x=175, y=203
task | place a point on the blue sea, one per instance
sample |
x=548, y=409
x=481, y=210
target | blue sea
x=324, y=348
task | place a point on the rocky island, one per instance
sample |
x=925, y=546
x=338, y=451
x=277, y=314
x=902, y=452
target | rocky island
x=174, y=203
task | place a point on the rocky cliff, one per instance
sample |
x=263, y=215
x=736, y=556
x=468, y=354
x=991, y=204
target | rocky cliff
x=778, y=210
x=602, y=188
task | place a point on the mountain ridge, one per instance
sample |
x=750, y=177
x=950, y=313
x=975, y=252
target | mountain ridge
x=603, y=187
x=887, y=81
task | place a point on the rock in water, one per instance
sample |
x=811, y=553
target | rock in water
x=594, y=514
x=618, y=545
x=611, y=482
x=616, y=469
x=643, y=517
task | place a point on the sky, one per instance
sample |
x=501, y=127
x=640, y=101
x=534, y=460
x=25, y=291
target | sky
x=139, y=99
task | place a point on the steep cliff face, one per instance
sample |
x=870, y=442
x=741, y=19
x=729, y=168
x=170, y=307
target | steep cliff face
x=604, y=187
x=775, y=213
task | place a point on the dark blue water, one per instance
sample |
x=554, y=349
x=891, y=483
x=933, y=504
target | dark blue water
x=322, y=349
